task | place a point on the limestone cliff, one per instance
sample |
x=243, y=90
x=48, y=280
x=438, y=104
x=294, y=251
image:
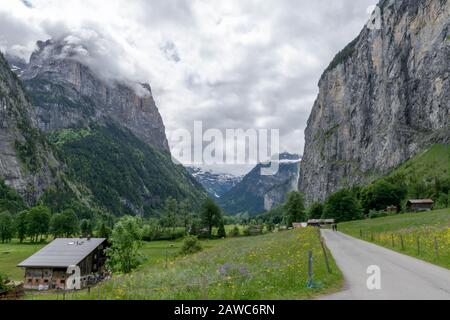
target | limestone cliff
x=67, y=93
x=382, y=100
x=26, y=162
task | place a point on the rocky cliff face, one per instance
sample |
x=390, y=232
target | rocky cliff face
x=66, y=93
x=26, y=163
x=257, y=193
x=382, y=100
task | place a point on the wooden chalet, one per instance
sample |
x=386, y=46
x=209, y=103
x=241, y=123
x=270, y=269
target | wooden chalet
x=420, y=205
x=66, y=264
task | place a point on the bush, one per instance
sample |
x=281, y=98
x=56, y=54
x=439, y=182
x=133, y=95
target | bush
x=3, y=282
x=253, y=230
x=235, y=232
x=373, y=214
x=191, y=245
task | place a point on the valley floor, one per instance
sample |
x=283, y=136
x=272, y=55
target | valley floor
x=272, y=266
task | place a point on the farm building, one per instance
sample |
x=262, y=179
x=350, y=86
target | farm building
x=320, y=222
x=391, y=209
x=420, y=205
x=66, y=264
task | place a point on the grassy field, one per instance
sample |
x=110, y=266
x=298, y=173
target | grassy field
x=273, y=266
x=12, y=254
x=435, y=162
x=423, y=235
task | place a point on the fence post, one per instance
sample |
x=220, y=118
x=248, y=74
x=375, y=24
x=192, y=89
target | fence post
x=361, y=233
x=402, y=243
x=393, y=241
x=371, y=237
x=436, y=247
x=310, y=269
x=325, y=255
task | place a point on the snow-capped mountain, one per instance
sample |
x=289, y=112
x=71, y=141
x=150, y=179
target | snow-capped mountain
x=216, y=184
x=257, y=193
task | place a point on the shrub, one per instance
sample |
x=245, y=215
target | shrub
x=191, y=245
x=373, y=214
x=3, y=282
x=235, y=232
x=253, y=230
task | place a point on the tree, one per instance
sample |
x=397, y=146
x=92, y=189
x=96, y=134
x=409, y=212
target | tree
x=170, y=214
x=442, y=201
x=342, y=206
x=221, y=232
x=382, y=194
x=21, y=225
x=64, y=224
x=86, y=228
x=315, y=211
x=211, y=215
x=6, y=227
x=125, y=244
x=38, y=222
x=184, y=209
x=294, y=208
x=104, y=231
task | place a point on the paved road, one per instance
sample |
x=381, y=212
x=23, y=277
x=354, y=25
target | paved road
x=402, y=277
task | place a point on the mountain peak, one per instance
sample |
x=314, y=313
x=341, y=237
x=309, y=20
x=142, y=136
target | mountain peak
x=68, y=90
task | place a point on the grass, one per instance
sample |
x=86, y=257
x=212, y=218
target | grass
x=11, y=254
x=430, y=229
x=435, y=162
x=272, y=266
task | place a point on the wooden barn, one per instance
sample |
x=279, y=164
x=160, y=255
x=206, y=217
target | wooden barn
x=420, y=205
x=320, y=222
x=66, y=264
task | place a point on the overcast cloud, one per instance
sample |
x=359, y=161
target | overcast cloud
x=233, y=64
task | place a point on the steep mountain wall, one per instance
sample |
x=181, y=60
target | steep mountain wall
x=26, y=163
x=383, y=99
x=66, y=93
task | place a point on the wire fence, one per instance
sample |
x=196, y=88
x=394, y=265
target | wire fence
x=426, y=243
x=138, y=288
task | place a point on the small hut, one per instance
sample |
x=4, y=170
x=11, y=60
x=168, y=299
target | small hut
x=420, y=205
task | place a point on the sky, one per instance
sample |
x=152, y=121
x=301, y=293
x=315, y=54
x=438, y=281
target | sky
x=234, y=64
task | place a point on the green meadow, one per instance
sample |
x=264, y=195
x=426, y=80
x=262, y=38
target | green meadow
x=272, y=266
x=12, y=254
x=423, y=235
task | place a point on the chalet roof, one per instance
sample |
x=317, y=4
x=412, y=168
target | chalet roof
x=62, y=253
x=312, y=221
x=421, y=201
